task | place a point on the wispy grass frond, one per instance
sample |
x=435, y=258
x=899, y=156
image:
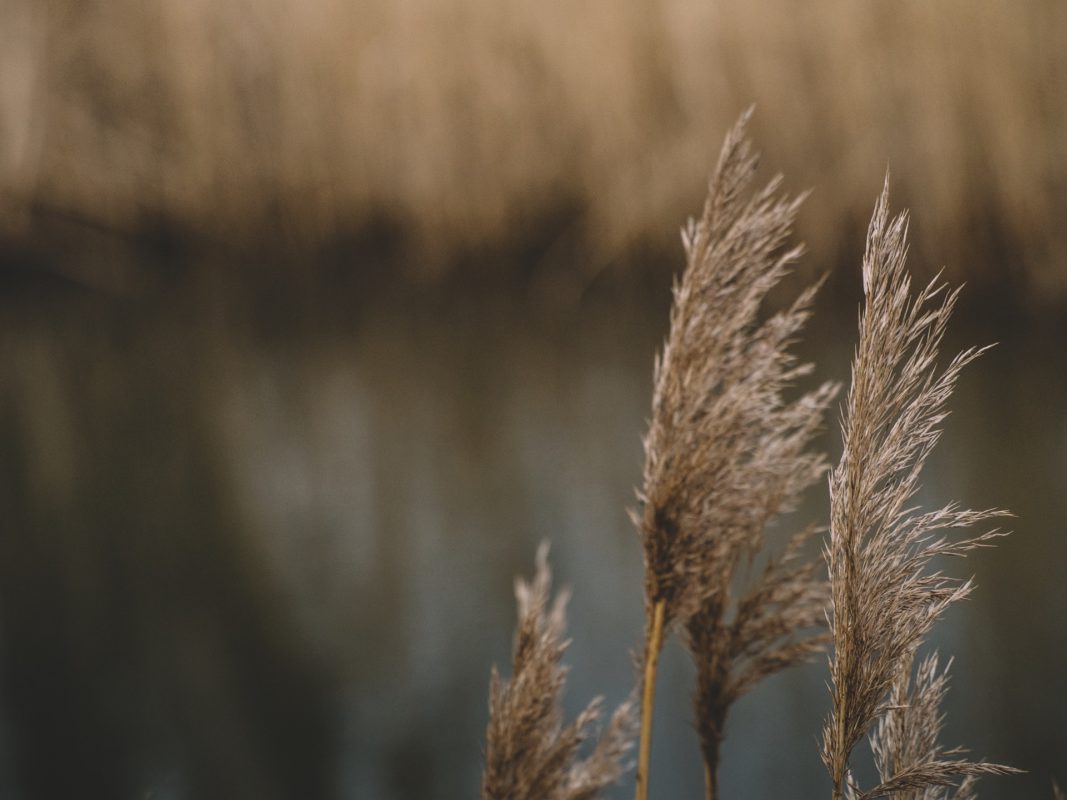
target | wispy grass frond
x=529, y=753
x=735, y=646
x=911, y=763
x=885, y=597
x=726, y=453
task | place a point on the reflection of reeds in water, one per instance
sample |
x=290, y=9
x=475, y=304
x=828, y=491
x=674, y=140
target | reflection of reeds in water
x=725, y=455
x=476, y=121
x=146, y=645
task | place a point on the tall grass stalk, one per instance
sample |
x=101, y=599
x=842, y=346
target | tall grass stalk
x=726, y=454
x=885, y=598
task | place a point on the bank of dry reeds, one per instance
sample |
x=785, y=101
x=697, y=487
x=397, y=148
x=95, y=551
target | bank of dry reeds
x=538, y=120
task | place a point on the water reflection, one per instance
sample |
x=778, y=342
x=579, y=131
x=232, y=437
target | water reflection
x=247, y=566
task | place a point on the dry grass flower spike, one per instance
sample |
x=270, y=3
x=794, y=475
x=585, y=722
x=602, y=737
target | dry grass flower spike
x=726, y=454
x=529, y=753
x=885, y=595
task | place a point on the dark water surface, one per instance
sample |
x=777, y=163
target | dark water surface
x=246, y=562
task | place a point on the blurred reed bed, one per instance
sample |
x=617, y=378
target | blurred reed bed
x=470, y=126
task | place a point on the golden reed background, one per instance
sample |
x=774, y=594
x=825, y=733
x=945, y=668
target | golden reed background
x=465, y=124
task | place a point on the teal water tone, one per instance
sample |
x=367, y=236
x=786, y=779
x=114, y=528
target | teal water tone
x=249, y=559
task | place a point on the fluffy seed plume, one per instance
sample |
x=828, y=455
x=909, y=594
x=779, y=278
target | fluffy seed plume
x=725, y=453
x=766, y=633
x=911, y=764
x=529, y=753
x=884, y=596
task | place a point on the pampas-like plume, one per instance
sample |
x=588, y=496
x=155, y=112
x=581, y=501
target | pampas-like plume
x=763, y=637
x=725, y=454
x=529, y=753
x=884, y=598
x=911, y=763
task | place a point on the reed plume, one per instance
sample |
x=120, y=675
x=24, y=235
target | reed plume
x=529, y=753
x=910, y=762
x=725, y=454
x=764, y=636
x=884, y=597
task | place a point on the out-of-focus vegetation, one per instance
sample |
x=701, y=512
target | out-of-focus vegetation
x=261, y=543
x=463, y=127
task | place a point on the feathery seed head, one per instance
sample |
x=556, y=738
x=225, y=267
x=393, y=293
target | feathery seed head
x=529, y=753
x=884, y=598
x=727, y=453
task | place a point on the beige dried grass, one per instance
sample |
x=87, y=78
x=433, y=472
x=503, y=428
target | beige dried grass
x=726, y=454
x=885, y=595
x=911, y=763
x=529, y=753
x=232, y=117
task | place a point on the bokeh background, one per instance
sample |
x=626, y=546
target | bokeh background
x=315, y=318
